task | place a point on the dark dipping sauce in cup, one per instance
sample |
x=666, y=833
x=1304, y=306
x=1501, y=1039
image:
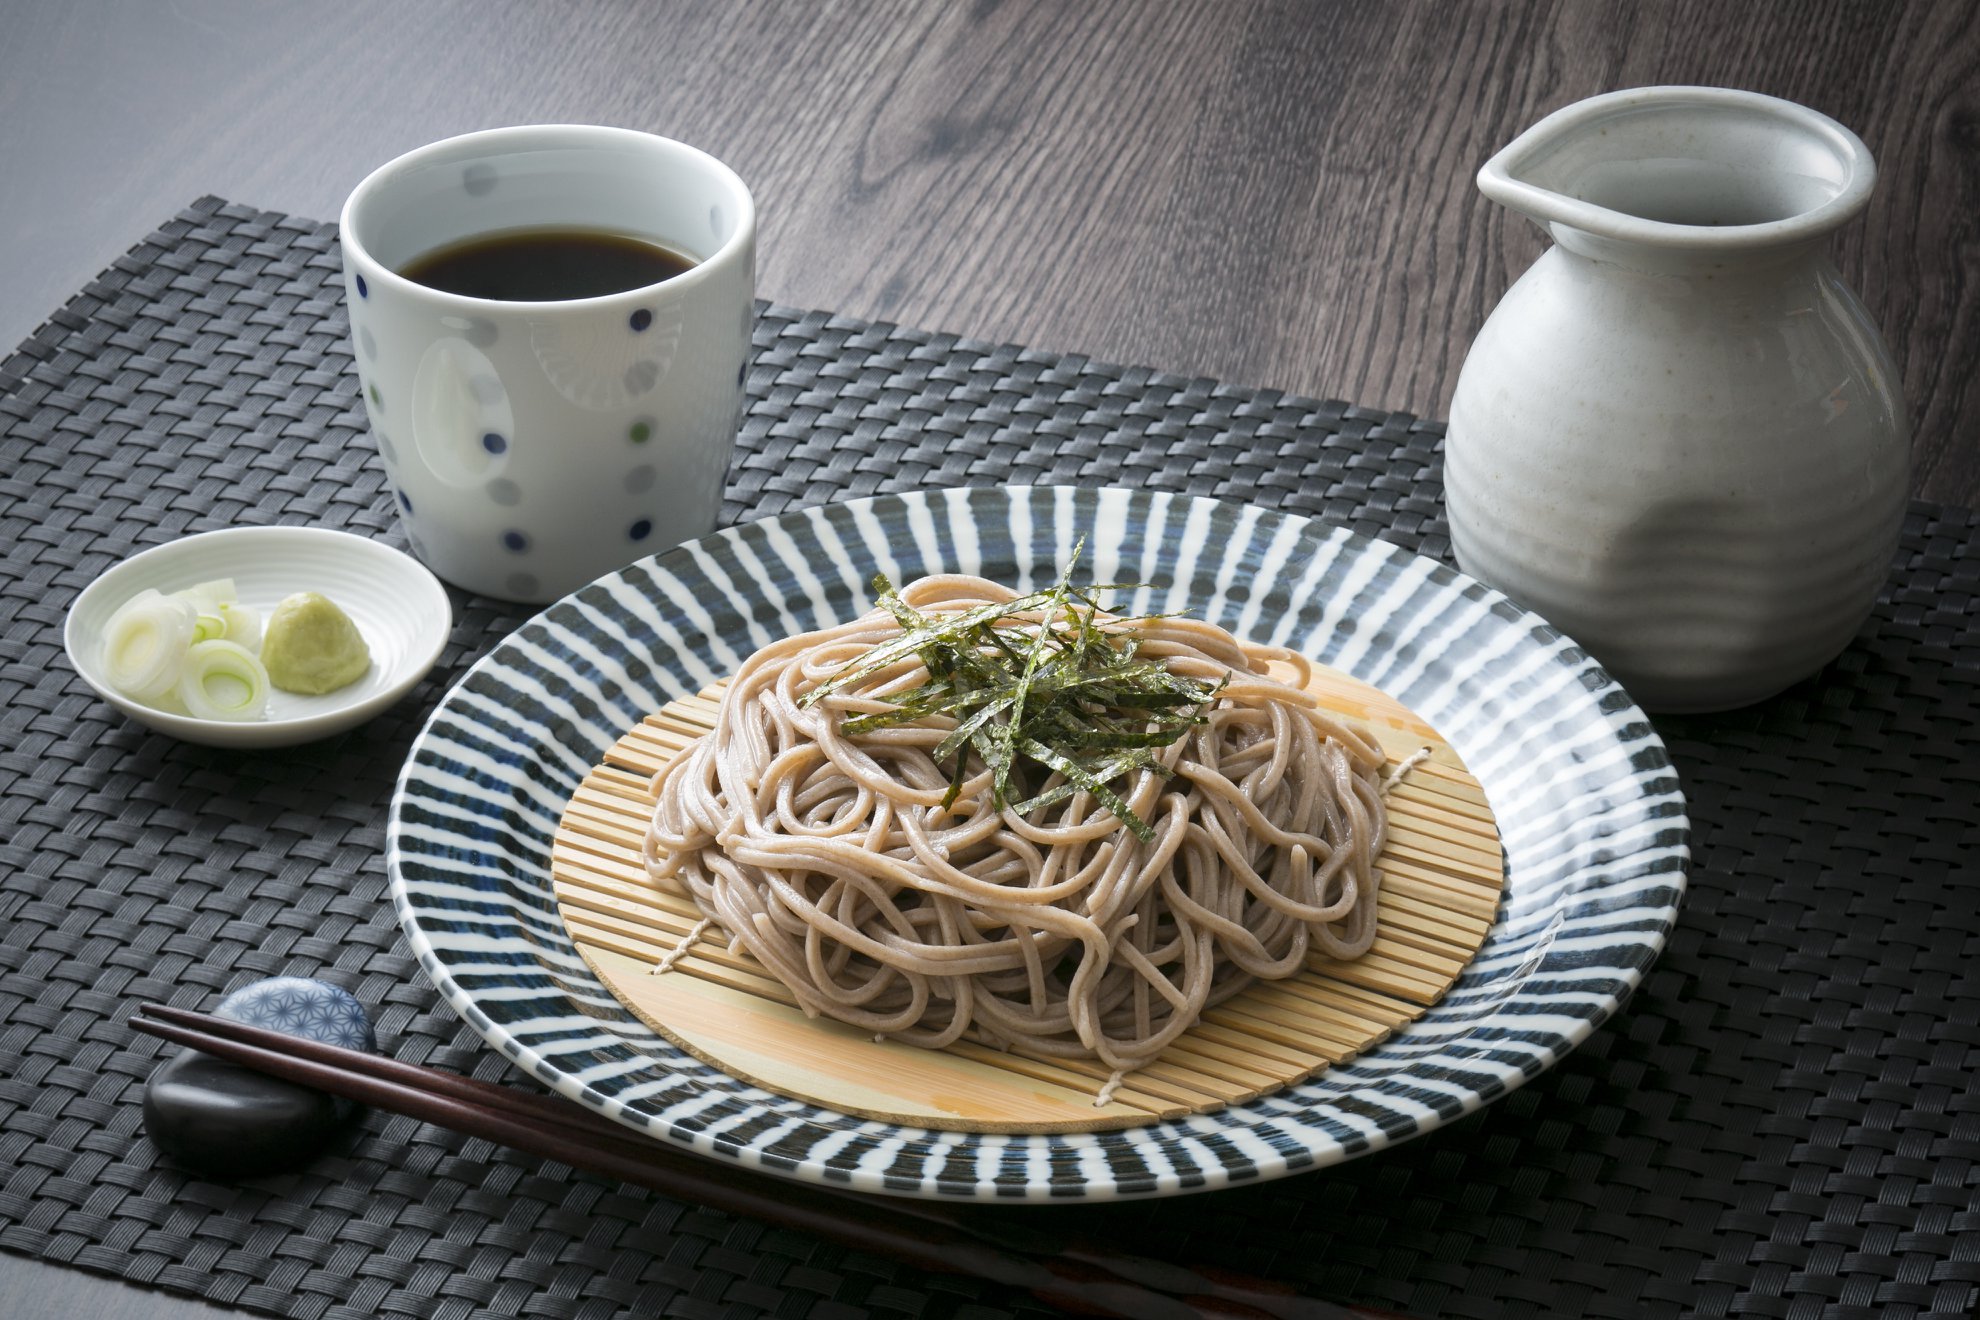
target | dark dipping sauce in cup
x=545, y=265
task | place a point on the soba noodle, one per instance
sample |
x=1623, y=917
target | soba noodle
x=1059, y=933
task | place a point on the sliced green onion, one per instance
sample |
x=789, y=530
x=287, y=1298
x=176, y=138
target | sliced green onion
x=145, y=642
x=211, y=599
x=222, y=680
x=218, y=591
x=243, y=624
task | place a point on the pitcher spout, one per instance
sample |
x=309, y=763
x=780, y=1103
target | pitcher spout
x=1697, y=169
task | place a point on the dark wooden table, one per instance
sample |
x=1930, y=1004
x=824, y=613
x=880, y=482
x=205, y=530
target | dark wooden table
x=1272, y=194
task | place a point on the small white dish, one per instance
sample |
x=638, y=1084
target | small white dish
x=399, y=607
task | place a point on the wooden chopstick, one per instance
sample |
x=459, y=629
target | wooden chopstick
x=541, y=1108
x=557, y=1114
x=1080, y=1276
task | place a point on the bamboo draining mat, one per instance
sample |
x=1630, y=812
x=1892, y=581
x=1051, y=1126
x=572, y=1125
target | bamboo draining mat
x=1441, y=875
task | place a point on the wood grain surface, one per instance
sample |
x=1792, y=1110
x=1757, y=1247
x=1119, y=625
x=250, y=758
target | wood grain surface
x=1271, y=193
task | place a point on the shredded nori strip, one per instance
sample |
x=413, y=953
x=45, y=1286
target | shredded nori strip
x=1071, y=698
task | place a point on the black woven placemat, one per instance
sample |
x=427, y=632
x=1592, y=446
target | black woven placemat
x=1786, y=1121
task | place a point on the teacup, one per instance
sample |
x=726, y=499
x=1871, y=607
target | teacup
x=535, y=446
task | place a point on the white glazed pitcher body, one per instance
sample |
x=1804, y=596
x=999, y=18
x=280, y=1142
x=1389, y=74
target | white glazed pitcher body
x=1679, y=437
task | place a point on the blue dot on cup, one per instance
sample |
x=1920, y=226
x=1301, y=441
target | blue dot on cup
x=515, y=541
x=364, y=290
x=494, y=443
x=639, y=320
x=405, y=502
x=640, y=530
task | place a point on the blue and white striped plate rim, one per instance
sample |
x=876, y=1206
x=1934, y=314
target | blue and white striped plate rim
x=1587, y=803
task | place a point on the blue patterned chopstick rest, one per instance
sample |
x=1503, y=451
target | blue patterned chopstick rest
x=227, y=1121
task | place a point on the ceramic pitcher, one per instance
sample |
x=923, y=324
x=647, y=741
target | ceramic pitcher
x=1679, y=438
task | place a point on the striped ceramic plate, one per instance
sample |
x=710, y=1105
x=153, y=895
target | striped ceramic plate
x=1588, y=809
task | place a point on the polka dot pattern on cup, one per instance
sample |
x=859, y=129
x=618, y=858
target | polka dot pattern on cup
x=640, y=530
x=504, y=492
x=405, y=502
x=640, y=479
x=640, y=319
x=641, y=432
x=367, y=343
x=515, y=541
x=494, y=443
x=478, y=179
x=364, y=290
x=642, y=376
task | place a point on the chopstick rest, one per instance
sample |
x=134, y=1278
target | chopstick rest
x=1089, y=1279
x=228, y=1121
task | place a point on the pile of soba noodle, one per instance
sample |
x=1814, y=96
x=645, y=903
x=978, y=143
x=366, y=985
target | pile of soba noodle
x=1056, y=934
